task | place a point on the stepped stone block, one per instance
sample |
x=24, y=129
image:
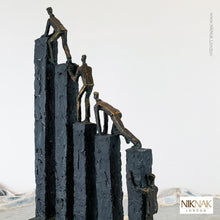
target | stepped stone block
x=85, y=203
x=65, y=115
x=139, y=163
x=108, y=177
x=44, y=129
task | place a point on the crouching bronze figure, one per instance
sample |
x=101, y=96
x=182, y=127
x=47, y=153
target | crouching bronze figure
x=59, y=31
x=118, y=127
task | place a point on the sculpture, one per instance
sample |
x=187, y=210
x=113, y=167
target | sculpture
x=78, y=173
x=59, y=31
x=85, y=72
x=118, y=127
x=150, y=193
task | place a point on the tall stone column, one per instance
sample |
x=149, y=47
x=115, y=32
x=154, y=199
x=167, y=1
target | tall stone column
x=139, y=164
x=44, y=130
x=65, y=115
x=108, y=177
x=84, y=171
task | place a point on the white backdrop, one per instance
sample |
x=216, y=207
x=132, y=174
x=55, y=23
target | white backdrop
x=150, y=59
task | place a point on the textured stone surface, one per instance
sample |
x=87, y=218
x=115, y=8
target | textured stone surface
x=139, y=162
x=44, y=130
x=84, y=171
x=65, y=114
x=108, y=177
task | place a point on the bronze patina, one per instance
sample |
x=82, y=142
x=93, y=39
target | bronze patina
x=85, y=72
x=59, y=31
x=118, y=127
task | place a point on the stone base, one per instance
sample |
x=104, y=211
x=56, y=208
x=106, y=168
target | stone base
x=84, y=171
x=44, y=129
x=139, y=163
x=108, y=177
x=65, y=115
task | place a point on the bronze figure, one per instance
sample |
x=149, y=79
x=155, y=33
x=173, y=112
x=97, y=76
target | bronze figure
x=150, y=193
x=118, y=127
x=59, y=31
x=85, y=72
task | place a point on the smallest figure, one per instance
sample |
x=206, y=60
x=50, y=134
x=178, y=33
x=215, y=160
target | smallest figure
x=85, y=72
x=150, y=194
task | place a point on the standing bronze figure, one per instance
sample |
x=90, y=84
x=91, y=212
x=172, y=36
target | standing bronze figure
x=150, y=193
x=59, y=31
x=118, y=127
x=85, y=72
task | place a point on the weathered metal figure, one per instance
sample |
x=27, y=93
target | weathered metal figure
x=150, y=193
x=59, y=31
x=85, y=72
x=118, y=127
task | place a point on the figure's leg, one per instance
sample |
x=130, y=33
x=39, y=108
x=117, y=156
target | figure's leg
x=125, y=132
x=87, y=102
x=65, y=46
x=51, y=40
x=97, y=119
x=79, y=97
x=105, y=130
x=114, y=130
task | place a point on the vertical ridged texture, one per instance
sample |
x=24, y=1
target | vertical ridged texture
x=84, y=171
x=65, y=114
x=139, y=163
x=44, y=130
x=108, y=177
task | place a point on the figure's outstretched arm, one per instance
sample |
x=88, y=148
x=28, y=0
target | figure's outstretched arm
x=125, y=132
x=97, y=118
x=75, y=77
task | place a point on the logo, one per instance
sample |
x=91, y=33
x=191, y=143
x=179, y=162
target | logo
x=196, y=205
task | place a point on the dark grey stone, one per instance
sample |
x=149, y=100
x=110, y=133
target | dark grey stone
x=37, y=218
x=139, y=162
x=65, y=115
x=84, y=171
x=44, y=130
x=108, y=177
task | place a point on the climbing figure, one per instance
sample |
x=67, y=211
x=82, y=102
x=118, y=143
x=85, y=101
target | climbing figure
x=59, y=31
x=85, y=72
x=150, y=194
x=118, y=127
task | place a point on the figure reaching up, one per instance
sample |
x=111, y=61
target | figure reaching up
x=117, y=127
x=85, y=72
x=59, y=31
x=149, y=192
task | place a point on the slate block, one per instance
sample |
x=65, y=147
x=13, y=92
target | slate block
x=84, y=171
x=108, y=177
x=65, y=115
x=44, y=129
x=139, y=162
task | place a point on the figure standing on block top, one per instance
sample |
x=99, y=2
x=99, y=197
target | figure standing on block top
x=85, y=72
x=59, y=31
x=118, y=127
x=150, y=193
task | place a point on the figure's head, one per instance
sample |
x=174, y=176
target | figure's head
x=151, y=178
x=96, y=95
x=83, y=59
x=49, y=10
